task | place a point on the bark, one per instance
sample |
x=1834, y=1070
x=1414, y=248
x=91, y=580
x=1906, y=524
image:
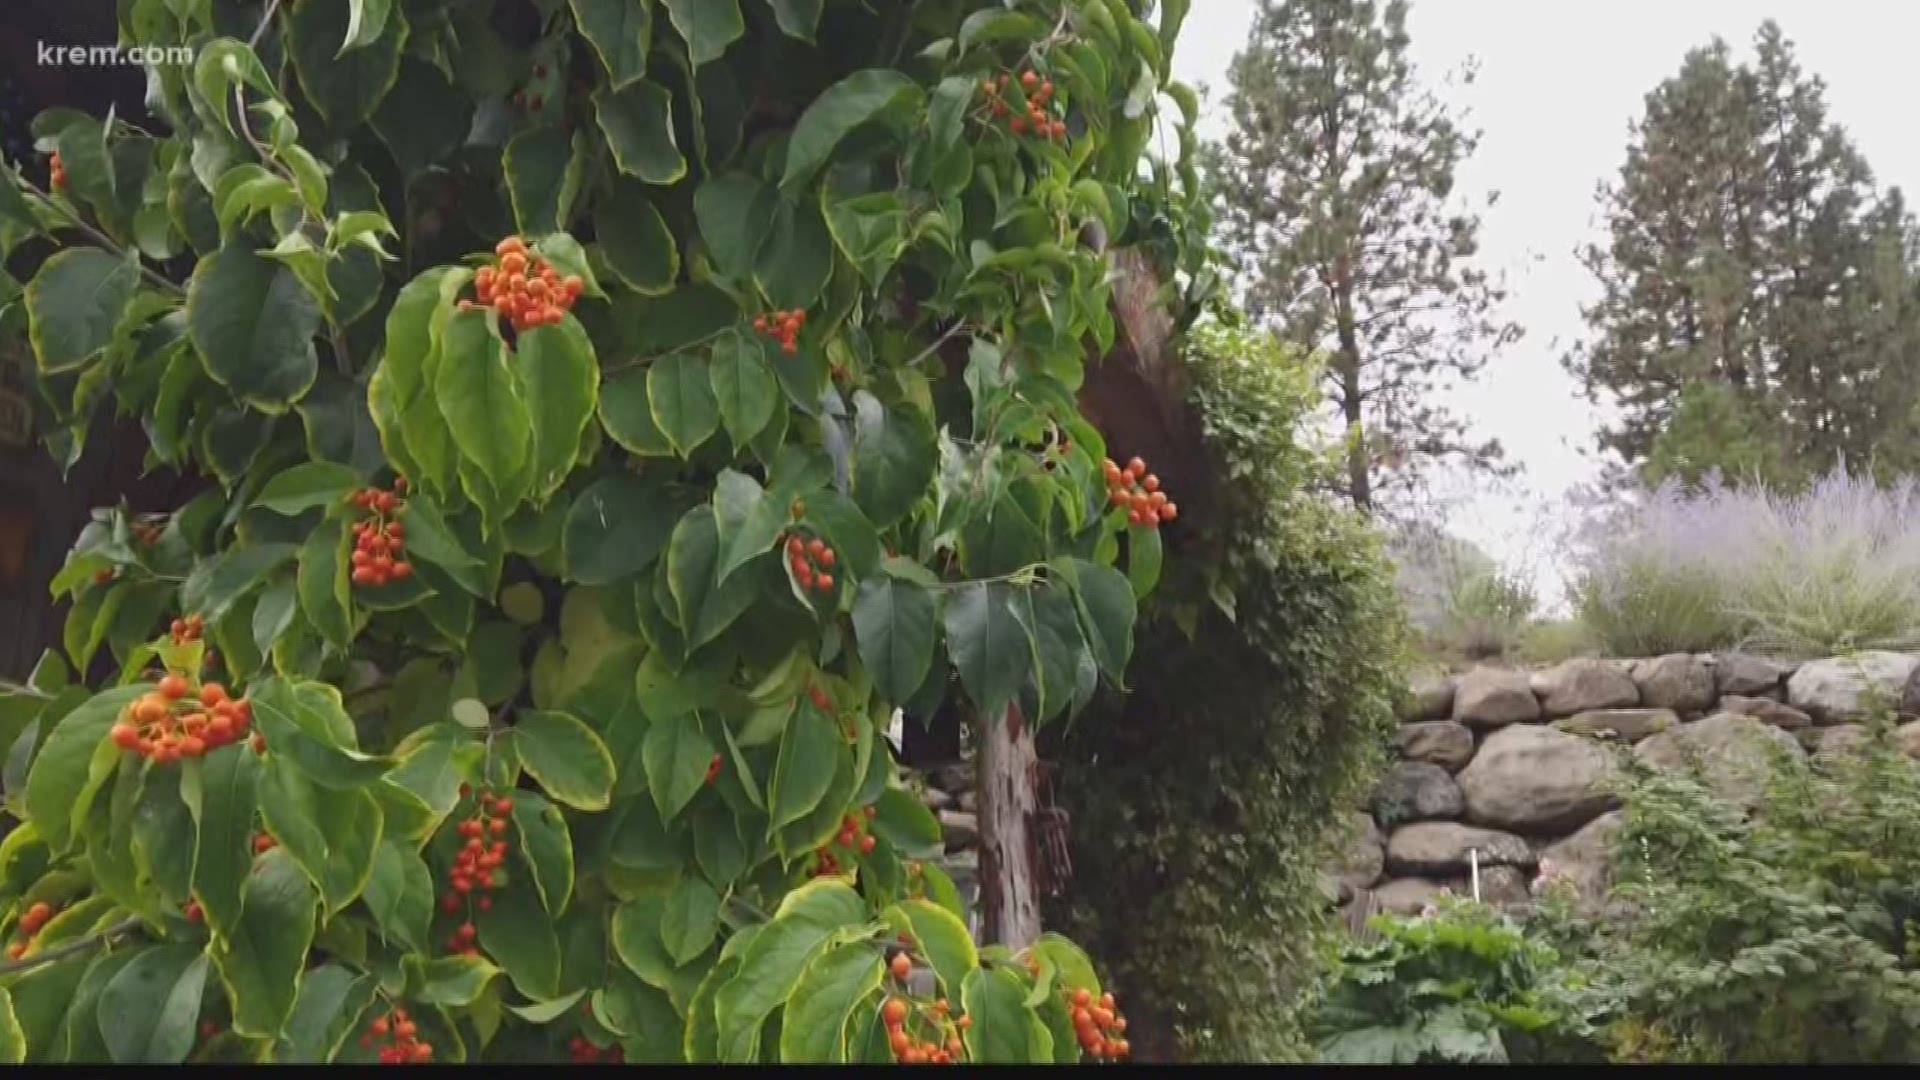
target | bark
x=1009, y=886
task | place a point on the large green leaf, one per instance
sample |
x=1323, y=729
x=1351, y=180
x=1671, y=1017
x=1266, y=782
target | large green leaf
x=544, y=173
x=75, y=303
x=545, y=845
x=744, y=386
x=424, y=119
x=561, y=380
x=797, y=18
x=217, y=582
x=323, y=585
x=708, y=26
x=345, y=85
x=680, y=393
x=893, y=459
x=988, y=644
x=774, y=959
x=636, y=240
x=149, y=1011
x=519, y=934
x=675, y=754
x=1002, y=1031
x=482, y=403
x=638, y=124
x=620, y=31
x=616, y=528
x=253, y=321
x=412, y=427
x=690, y=919
x=75, y=759
x=568, y=759
x=308, y=485
x=749, y=520
x=331, y=999
x=261, y=957
x=1107, y=612
x=814, y=1026
x=942, y=938
x=307, y=723
x=797, y=259
x=854, y=100
x=735, y=212
x=893, y=621
x=332, y=835
x=454, y=980
x=223, y=809
x=809, y=753
x=399, y=894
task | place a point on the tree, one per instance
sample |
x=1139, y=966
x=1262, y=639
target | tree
x=1333, y=190
x=609, y=412
x=1757, y=286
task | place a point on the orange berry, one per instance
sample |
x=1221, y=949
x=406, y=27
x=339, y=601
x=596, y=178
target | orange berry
x=509, y=246
x=901, y=966
x=1059, y=129
x=894, y=1012
x=1169, y=512
x=212, y=694
x=826, y=583
x=173, y=688
x=125, y=735
x=1029, y=80
x=1018, y=125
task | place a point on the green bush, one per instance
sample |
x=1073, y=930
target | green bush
x=1262, y=700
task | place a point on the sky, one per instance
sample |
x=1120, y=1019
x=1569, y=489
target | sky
x=1557, y=85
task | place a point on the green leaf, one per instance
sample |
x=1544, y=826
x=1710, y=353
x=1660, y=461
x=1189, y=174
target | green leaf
x=1144, y=555
x=708, y=26
x=399, y=895
x=893, y=621
x=1107, y=613
x=942, y=938
x=412, y=430
x=735, y=212
x=323, y=585
x=628, y=416
x=814, y=1027
x=906, y=824
x=797, y=18
x=75, y=759
x=306, y=486
x=636, y=241
x=1002, y=1031
x=773, y=961
x=638, y=124
x=568, y=759
x=893, y=459
x=216, y=583
x=999, y=24
x=809, y=754
x=519, y=934
x=676, y=754
x=149, y=1011
x=989, y=646
x=332, y=835
x=616, y=528
x=260, y=959
x=346, y=86
x=544, y=174
x=307, y=723
x=621, y=33
x=544, y=844
x=680, y=393
x=223, y=811
x=480, y=398
x=561, y=380
x=331, y=999
x=545, y=1012
x=366, y=20
x=847, y=104
x=749, y=520
x=705, y=609
x=75, y=304
x=253, y=322
x=454, y=980
x=797, y=259
x=744, y=386
x=690, y=919
x=424, y=119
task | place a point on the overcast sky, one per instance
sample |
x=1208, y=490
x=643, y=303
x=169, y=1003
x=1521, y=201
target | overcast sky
x=1558, y=83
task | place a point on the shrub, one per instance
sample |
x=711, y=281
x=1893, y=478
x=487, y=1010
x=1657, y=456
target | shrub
x=1463, y=604
x=1261, y=705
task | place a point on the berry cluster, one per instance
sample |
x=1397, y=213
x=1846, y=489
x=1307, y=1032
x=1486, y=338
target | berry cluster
x=263, y=843
x=380, y=541
x=853, y=837
x=1039, y=119
x=169, y=722
x=478, y=865
x=524, y=288
x=398, y=1039
x=1097, y=1025
x=908, y=1024
x=29, y=928
x=585, y=1053
x=57, y=172
x=147, y=531
x=783, y=327
x=713, y=769
x=186, y=630
x=812, y=562
x=1139, y=491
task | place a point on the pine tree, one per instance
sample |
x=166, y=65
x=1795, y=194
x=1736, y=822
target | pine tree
x=1757, y=287
x=1334, y=189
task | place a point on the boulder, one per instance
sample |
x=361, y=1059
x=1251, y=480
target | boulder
x=1430, y=698
x=1361, y=854
x=1583, y=858
x=1629, y=725
x=1438, y=742
x=1406, y=896
x=1577, y=686
x=1439, y=848
x=936, y=799
x=1740, y=673
x=1678, y=681
x=1537, y=780
x=1731, y=751
x=1494, y=697
x=961, y=829
x=1841, y=739
x=1834, y=691
x=1503, y=886
x=1908, y=737
x=1767, y=710
x=1417, y=791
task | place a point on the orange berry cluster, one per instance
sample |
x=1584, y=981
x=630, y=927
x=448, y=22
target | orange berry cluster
x=1139, y=491
x=853, y=836
x=585, y=1053
x=713, y=769
x=812, y=562
x=170, y=722
x=398, y=1038
x=147, y=532
x=478, y=866
x=380, y=542
x=524, y=288
x=186, y=630
x=783, y=327
x=1039, y=119
x=29, y=928
x=57, y=172
x=900, y=1015
x=263, y=843
x=1097, y=1025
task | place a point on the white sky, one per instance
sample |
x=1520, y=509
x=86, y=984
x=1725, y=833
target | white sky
x=1558, y=83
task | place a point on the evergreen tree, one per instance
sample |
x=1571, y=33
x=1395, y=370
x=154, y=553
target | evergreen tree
x=1334, y=193
x=1757, y=287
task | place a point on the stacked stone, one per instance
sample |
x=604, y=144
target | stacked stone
x=949, y=792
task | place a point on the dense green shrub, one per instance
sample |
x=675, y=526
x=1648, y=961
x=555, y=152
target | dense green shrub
x=1262, y=697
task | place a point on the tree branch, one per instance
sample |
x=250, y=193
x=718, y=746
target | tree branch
x=80, y=945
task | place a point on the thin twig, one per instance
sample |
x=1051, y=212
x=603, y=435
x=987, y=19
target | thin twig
x=14, y=689
x=266, y=17
x=61, y=952
x=100, y=239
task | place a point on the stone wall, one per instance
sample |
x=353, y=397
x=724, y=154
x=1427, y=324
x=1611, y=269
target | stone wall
x=1511, y=767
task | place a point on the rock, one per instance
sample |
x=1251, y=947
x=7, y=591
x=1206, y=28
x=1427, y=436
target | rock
x=1430, y=698
x=1493, y=697
x=969, y=801
x=1730, y=749
x=1584, y=857
x=1841, y=739
x=1406, y=896
x=1577, y=686
x=1438, y=848
x=961, y=829
x=956, y=777
x=1677, y=681
x=1840, y=689
x=1630, y=725
x=1361, y=853
x=1739, y=673
x=1417, y=791
x=1503, y=886
x=1530, y=779
x=936, y=799
x=1767, y=710
x=1907, y=736
x=1439, y=742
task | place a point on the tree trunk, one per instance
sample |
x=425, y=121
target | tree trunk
x=1009, y=889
